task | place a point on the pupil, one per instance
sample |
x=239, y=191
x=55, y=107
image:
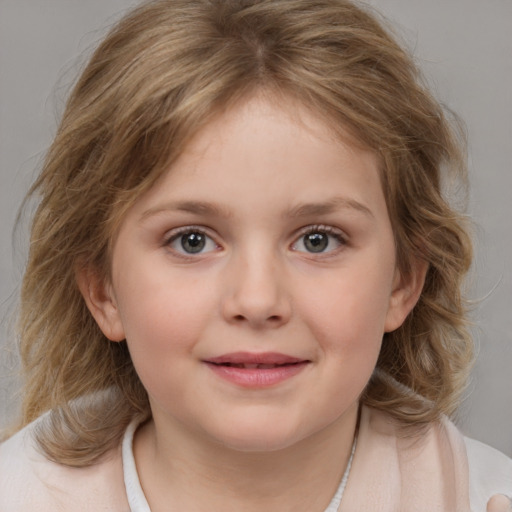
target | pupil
x=193, y=242
x=316, y=242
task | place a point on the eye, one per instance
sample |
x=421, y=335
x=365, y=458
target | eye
x=191, y=241
x=319, y=239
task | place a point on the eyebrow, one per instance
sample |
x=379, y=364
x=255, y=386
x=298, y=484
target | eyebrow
x=195, y=207
x=209, y=209
x=332, y=205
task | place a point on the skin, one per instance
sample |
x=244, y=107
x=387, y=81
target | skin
x=255, y=287
x=499, y=503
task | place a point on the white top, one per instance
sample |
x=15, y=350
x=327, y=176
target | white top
x=29, y=482
x=135, y=494
x=490, y=473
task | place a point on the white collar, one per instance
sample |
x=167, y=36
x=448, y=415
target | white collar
x=135, y=494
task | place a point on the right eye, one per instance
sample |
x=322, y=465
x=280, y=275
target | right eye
x=319, y=240
x=191, y=241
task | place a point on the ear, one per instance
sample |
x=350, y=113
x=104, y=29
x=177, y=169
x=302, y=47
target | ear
x=405, y=294
x=100, y=300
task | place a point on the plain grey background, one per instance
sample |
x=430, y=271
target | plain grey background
x=464, y=48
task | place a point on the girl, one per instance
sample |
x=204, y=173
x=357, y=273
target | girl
x=243, y=287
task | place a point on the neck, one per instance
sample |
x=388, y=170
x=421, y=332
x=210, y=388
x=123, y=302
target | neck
x=183, y=470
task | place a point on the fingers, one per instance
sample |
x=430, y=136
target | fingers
x=499, y=503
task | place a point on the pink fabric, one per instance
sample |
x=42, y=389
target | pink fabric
x=424, y=472
x=390, y=473
x=31, y=483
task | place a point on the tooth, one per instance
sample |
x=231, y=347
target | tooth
x=266, y=366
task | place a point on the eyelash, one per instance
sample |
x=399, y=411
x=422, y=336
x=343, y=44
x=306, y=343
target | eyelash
x=175, y=235
x=338, y=235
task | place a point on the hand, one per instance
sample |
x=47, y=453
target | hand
x=499, y=503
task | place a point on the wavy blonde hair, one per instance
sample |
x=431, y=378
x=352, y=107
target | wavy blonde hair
x=160, y=75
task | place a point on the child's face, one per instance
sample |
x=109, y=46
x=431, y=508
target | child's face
x=268, y=242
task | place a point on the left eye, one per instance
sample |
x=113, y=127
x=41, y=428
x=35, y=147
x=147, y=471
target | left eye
x=192, y=242
x=318, y=241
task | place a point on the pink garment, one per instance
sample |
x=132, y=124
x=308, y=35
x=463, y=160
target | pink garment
x=390, y=473
x=417, y=473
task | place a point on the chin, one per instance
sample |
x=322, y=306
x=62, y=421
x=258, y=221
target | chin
x=257, y=445
x=258, y=438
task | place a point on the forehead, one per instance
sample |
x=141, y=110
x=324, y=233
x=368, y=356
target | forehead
x=264, y=158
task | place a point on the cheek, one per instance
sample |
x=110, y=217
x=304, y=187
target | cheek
x=163, y=319
x=347, y=313
x=348, y=345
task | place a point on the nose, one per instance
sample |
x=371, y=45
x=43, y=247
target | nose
x=257, y=294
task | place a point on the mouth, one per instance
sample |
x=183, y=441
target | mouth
x=253, y=366
x=256, y=370
x=249, y=360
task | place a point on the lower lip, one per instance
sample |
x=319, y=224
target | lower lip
x=257, y=377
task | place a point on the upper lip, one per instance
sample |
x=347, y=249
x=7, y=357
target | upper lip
x=274, y=358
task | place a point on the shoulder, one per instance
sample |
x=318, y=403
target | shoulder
x=428, y=457
x=490, y=472
x=29, y=481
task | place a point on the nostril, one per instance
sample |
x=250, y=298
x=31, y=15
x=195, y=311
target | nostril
x=271, y=319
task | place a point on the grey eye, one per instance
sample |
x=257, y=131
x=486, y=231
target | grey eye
x=192, y=242
x=316, y=242
x=319, y=241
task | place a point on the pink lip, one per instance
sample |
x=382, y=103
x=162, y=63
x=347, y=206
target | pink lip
x=265, y=369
